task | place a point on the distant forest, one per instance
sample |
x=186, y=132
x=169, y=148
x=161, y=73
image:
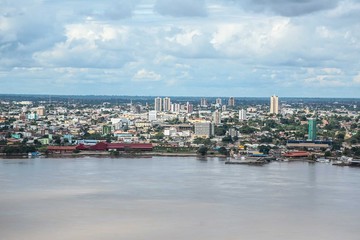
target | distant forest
x=99, y=99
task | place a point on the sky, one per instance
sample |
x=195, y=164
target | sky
x=240, y=48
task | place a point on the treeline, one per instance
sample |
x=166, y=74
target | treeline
x=18, y=149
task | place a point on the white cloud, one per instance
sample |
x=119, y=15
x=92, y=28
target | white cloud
x=88, y=45
x=255, y=39
x=145, y=75
x=185, y=38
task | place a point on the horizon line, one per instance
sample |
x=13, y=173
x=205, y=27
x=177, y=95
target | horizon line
x=154, y=96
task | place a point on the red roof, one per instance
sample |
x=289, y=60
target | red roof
x=104, y=146
x=116, y=146
x=101, y=146
x=82, y=147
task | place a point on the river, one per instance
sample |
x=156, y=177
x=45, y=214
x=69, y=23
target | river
x=177, y=198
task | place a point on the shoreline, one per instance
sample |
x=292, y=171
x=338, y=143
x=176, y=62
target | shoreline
x=107, y=154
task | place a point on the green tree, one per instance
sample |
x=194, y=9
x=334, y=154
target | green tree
x=327, y=154
x=220, y=130
x=159, y=135
x=202, y=150
x=223, y=151
x=227, y=139
x=247, y=129
x=264, y=149
x=205, y=141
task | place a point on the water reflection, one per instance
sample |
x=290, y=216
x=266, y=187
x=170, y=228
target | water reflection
x=17, y=161
x=176, y=198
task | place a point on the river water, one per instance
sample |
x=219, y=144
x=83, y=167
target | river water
x=176, y=199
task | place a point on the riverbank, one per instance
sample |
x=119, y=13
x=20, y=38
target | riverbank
x=110, y=154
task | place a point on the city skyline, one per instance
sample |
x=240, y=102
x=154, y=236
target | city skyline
x=181, y=48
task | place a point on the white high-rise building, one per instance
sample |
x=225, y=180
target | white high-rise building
x=158, y=104
x=274, y=104
x=189, y=107
x=242, y=115
x=166, y=104
x=175, y=107
x=231, y=102
x=216, y=117
x=203, y=102
x=218, y=101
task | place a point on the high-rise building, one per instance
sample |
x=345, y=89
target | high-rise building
x=231, y=102
x=203, y=102
x=216, y=117
x=189, y=107
x=166, y=104
x=312, y=129
x=175, y=107
x=242, y=115
x=158, y=104
x=274, y=104
x=218, y=101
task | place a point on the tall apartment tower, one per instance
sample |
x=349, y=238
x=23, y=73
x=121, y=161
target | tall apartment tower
x=203, y=102
x=242, y=115
x=166, y=104
x=175, y=107
x=231, y=102
x=274, y=104
x=189, y=107
x=218, y=101
x=312, y=129
x=158, y=104
x=216, y=117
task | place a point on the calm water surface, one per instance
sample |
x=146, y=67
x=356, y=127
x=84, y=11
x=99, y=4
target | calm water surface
x=176, y=198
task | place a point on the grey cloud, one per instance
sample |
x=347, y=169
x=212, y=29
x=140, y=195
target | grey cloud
x=120, y=9
x=28, y=27
x=288, y=7
x=25, y=29
x=181, y=8
x=105, y=9
x=112, y=10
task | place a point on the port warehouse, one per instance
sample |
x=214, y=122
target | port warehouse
x=308, y=144
x=104, y=146
x=296, y=154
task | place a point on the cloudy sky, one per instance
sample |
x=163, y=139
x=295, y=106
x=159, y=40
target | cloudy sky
x=241, y=48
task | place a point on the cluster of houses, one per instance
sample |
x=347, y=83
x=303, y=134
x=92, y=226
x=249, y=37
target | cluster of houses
x=64, y=127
